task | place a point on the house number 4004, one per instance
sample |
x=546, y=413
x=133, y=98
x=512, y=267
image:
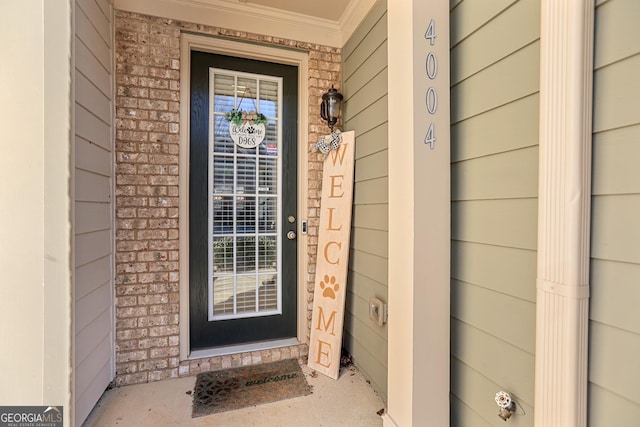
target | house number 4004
x=431, y=98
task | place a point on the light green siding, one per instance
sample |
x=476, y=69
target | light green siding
x=494, y=177
x=614, y=339
x=365, y=91
x=93, y=204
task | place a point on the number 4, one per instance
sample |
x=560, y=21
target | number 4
x=430, y=34
x=431, y=136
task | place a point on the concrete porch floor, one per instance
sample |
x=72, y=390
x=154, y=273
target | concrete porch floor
x=349, y=401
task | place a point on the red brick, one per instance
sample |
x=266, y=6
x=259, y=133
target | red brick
x=163, y=180
x=163, y=201
x=127, y=368
x=153, y=321
x=153, y=256
x=126, y=345
x=152, y=213
x=131, y=355
x=153, y=299
x=153, y=83
x=126, y=323
x=163, y=375
x=153, y=126
x=164, y=116
x=165, y=73
x=161, y=288
x=131, y=180
x=131, y=290
x=130, y=135
x=159, y=331
x=125, y=279
x=131, y=246
x=122, y=202
x=151, y=234
x=125, y=235
x=153, y=342
x=149, y=365
x=163, y=266
x=152, y=104
x=130, y=379
x=128, y=334
x=163, y=223
x=122, y=312
x=125, y=256
x=162, y=309
x=156, y=190
x=126, y=301
x=156, y=245
x=164, y=352
x=152, y=277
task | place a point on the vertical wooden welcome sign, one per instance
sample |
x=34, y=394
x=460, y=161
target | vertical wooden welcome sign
x=333, y=258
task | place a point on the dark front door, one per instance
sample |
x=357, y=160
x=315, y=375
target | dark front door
x=242, y=201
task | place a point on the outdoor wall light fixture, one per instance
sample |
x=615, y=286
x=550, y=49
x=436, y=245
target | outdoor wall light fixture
x=506, y=405
x=330, y=107
x=330, y=111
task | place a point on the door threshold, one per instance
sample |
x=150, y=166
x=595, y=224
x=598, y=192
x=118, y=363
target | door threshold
x=242, y=348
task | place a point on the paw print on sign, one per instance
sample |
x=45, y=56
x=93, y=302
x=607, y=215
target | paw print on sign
x=329, y=286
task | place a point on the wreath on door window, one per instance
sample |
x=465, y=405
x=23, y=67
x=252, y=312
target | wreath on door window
x=238, y=117
x=247, y=128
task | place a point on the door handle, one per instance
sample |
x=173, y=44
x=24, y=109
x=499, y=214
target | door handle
x=291, y=235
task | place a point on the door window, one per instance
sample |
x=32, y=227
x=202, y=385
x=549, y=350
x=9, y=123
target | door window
x=244, y=199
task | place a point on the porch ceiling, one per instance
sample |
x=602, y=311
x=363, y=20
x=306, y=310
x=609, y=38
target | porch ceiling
x=328, y=22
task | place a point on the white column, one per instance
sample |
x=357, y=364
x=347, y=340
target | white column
x=566, y=70
x=419, y=213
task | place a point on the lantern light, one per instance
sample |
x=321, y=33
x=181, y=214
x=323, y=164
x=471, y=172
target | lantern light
x=330, y=107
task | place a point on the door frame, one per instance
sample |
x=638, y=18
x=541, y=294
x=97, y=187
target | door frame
x=191, y=42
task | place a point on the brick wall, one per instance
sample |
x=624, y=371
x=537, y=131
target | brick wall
x=147, y=194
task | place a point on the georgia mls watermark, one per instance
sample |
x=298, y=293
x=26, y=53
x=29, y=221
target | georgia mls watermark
x=31, y=416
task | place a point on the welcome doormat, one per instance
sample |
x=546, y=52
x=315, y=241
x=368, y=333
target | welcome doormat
x=230, y=389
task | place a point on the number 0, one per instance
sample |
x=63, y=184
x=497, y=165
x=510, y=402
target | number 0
x=431, y=65
x=432, y=100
